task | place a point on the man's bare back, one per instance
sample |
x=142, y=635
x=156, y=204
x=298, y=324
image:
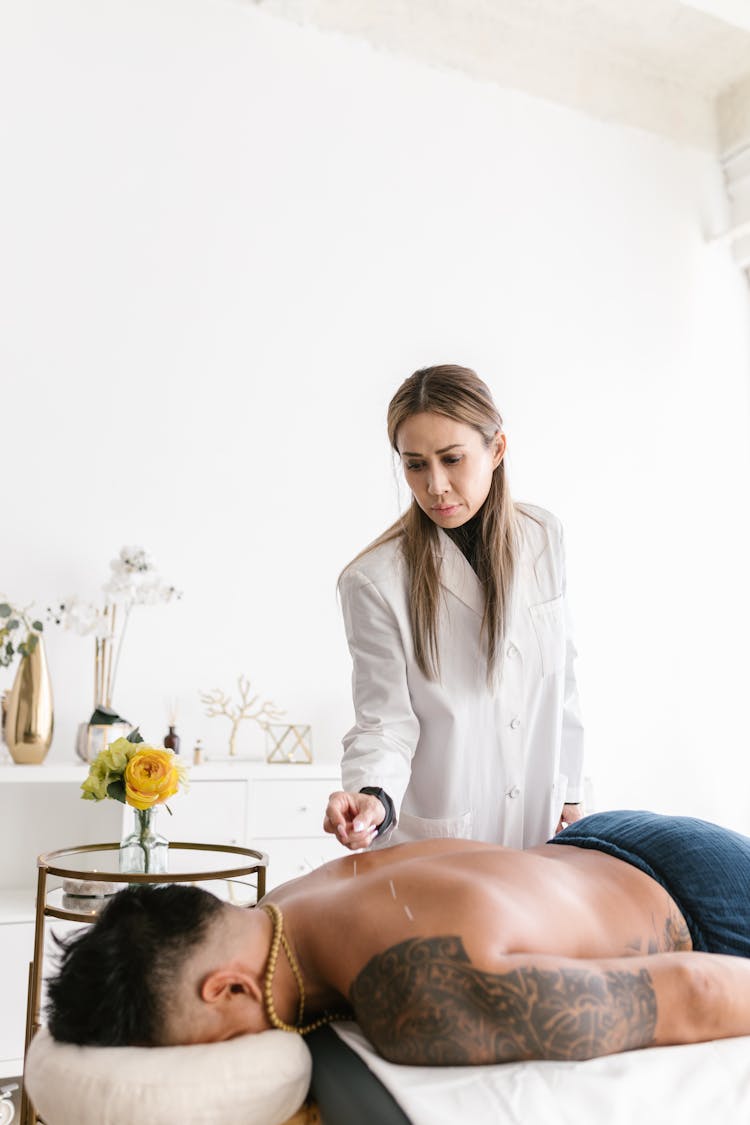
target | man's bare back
x=630, y=930
x=490, y=904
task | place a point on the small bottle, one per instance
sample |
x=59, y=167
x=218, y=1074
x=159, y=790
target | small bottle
x=198, y=754
x=172, y=740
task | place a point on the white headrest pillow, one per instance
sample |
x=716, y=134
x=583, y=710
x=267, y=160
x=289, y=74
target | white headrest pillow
x=253, y=1080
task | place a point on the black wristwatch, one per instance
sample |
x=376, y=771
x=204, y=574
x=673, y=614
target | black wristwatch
x=386, y=802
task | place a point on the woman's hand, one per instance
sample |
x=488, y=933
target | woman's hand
x=569, y=814
x=354, y=818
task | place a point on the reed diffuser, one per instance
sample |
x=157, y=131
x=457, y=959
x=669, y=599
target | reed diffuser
x=172, y=738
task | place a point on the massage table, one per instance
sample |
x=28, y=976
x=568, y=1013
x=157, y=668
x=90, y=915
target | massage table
x=698, y=1084
x=264, y=1079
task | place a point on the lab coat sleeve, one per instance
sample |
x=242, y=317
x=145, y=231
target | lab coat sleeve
x=379, y=748
x=571, y=748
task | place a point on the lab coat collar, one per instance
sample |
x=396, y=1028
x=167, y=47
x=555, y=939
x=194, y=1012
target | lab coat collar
x=456, y=574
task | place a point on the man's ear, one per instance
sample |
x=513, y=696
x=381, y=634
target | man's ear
x=221, y=985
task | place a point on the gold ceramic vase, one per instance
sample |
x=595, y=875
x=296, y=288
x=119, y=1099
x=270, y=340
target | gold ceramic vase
x=29, y=721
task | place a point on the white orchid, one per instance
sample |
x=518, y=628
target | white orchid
x=81, y=617
x=154, y=591
x=132, y=560
x=133, y=581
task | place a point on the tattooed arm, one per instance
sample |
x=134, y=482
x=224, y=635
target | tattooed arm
x=423, y=1002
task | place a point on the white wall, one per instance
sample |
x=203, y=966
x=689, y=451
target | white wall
x=226, y=239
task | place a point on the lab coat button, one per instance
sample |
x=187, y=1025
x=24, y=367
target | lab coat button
x=512, y=650
x=515, y=723
x=514, y=792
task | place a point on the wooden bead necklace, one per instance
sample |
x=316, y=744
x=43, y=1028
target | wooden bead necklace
x=278, y=940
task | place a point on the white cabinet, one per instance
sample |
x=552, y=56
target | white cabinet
x=275, y=808
x=40, y=809
x=211, y=812
x=291, y=858
x=288, y=806
x=285, y=821
x=16, y=948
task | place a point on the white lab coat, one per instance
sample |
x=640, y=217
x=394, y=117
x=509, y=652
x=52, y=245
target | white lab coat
x=459, y=758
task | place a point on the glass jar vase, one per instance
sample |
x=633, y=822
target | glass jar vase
x=143, y=851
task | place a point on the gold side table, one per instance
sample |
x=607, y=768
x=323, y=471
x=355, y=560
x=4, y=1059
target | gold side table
x=235, y=874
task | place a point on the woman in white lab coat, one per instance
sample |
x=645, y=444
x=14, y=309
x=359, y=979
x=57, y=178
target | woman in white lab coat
x=467, y=717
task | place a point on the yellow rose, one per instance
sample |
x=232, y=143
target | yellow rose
x=151, y=777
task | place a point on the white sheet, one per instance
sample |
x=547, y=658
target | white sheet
x=700, y=1084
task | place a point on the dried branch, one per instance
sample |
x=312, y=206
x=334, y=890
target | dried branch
x=218, y=702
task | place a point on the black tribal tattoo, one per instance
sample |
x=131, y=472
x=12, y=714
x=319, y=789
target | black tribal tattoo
x=422, y=1002
x=676, y=933
x=673, y=936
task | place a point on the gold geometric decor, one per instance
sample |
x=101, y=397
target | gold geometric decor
x=290, y=742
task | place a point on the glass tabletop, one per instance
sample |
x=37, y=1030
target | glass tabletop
x=67, y=902
x=101, y=863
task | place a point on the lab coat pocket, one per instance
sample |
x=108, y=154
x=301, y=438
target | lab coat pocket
x=549, y=625
x=419, y=828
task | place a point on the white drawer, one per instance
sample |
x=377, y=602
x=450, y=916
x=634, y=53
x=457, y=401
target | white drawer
x=289, y=808
x=210, y=812
x=288, y=859
x=16, y=950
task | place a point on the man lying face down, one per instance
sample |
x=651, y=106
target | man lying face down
x=628, y=930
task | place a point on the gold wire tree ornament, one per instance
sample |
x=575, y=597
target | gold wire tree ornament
x=217, y=702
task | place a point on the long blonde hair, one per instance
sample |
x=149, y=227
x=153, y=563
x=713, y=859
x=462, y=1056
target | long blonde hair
x=457, y=393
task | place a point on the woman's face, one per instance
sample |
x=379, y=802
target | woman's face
x=447, y=466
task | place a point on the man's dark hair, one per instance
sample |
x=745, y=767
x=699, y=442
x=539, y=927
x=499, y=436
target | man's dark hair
x=115, y=977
